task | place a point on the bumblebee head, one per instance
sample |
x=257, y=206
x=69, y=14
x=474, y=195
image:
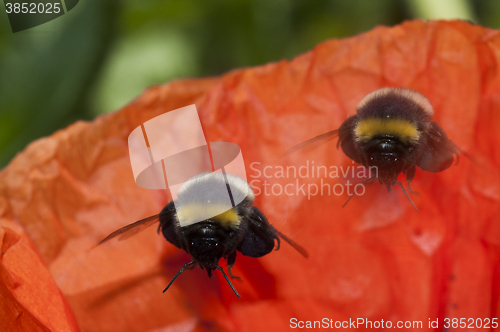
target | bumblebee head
x=388, y=154
x=384, y=151
x=207, y=252
x=206, y=245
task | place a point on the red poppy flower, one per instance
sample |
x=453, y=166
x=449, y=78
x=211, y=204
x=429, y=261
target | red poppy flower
x=376, y=259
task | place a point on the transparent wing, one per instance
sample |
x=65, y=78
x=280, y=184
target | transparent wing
x=132, y=229
x=294, y=244
x=313, y=143
x=440, y=151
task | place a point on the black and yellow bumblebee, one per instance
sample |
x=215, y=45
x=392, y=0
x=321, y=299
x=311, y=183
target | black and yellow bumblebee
x=241, y=228
x=392, y=130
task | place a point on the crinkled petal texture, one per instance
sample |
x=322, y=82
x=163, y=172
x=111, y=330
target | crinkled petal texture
x=376, y=259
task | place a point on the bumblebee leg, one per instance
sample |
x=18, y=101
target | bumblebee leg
x=413, y=192
x=175, y=277
x=190, y=267
x=229, y=282
x=407, y=196
x=278, y=242
x=410, y=174
x=356, y=188
x=231, y=274
x=231, y=259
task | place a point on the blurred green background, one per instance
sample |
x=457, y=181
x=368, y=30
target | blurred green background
x=104, y=53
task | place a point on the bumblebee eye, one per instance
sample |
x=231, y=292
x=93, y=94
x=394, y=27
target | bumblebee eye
x=192, y=243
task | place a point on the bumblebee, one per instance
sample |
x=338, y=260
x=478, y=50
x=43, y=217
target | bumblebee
x=392, y=131
x=241, y=228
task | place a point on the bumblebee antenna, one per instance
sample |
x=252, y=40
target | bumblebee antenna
x=356, y=188
x=407, y=196
x=180, y=271
x=227, y=279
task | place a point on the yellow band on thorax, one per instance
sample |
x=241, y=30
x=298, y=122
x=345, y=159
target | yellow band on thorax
x=195, y=212
x=401, y=128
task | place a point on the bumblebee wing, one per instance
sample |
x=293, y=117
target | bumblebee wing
x=345, y=133
x=294, y=244
x=347, y=140
x=167, y=224
x=439, y=152
x=313, y=143
x=259, y=237
x=259, y=240
x=132, y=229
